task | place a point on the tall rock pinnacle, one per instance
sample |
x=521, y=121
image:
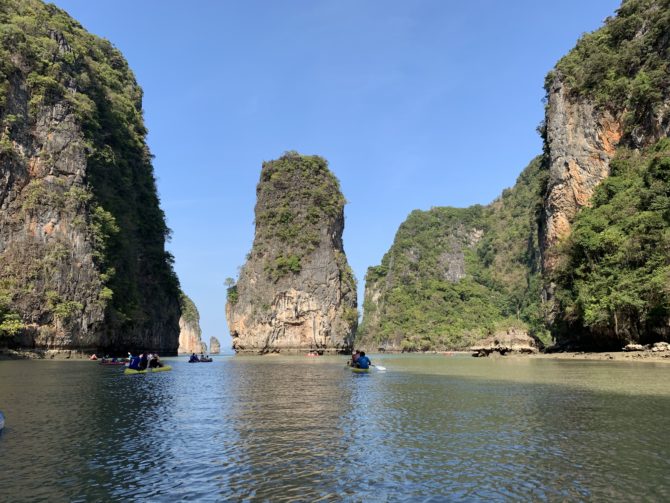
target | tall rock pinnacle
x=296, y=291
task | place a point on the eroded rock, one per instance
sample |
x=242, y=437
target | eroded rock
x=503, y=343
x=296, y=291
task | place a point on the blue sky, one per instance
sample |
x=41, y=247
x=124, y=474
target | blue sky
x=414, y=103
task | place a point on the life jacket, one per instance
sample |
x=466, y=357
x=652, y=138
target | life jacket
x=134, y=363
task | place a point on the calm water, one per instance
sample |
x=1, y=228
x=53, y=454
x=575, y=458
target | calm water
x=431, y=428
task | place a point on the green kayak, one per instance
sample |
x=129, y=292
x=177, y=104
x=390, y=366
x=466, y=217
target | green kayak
x=148, y=371
x=359, y=371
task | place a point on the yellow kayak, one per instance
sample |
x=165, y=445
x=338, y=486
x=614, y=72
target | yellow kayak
x=148, y=371
x=359, y=371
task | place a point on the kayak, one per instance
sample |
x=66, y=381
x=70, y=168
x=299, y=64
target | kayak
x=111, y=363
x=147, y=371
x=359, y=371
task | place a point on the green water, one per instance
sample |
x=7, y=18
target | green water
x=430, y=428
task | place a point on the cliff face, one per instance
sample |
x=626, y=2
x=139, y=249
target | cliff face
x=454, y=275
x=214, y=346
x=82, y=259
x=611, y=90
x=608, y=104
x=296, y=291
x=190, y=334
x=581, y=140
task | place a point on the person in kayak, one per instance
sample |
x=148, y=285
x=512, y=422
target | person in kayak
x=144, y=361
x=134, y=363
x=154, y=361
x=193, y=358
x=354, y=358
x=363, y=361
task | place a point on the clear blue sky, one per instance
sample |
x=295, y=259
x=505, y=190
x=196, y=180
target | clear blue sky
x=414, y=103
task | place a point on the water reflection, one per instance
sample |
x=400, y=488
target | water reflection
x=291, y=429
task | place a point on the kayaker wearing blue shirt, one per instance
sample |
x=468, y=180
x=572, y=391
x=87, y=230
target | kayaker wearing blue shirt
x=363, y=361
x=134, y=363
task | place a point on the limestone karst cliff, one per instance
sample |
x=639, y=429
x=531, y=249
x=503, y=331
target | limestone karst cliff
x=214, y=346
x=296, y=291
x=190, y=334
x=611, y=90
x=608, y=107
x=82, y=257
x=455, y=275
x=596, y=213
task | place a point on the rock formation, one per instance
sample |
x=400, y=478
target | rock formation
x=511, y=341
x=454, y=274
x=581, y=140
x=608, y=107
x=82, y=258
x=296, y=291
x=608, y=104
x=189, y=327
x=590, y=113
x=214, y=346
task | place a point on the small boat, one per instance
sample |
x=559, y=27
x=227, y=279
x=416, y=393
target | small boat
x=111, y=362
x=359, y=371
x=148, y=370
x=206, y=360
x=2, y=421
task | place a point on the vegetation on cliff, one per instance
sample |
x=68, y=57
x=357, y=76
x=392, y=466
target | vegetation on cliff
x=51, y=62
x=189, y=311
x=624, y=65
x=612, y=283
x=612, y=270
x=294, y=217
x=454, y=275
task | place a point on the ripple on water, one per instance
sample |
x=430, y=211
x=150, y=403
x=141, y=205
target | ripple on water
x=291, y=430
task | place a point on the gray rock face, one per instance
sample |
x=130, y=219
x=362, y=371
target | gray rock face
x=581, y=141
x=214, y=346
x=45, y=242
x=82, y=258
x=296, y=291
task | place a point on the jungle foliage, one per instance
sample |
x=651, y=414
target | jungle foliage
x=613, y=283
x=297, y=195
x=625, y=65
x=454, y=275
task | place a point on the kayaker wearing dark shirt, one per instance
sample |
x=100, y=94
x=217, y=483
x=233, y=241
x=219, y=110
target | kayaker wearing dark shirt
x=363, y=361
x=144, y=361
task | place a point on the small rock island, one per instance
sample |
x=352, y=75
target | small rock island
x=296, y=292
